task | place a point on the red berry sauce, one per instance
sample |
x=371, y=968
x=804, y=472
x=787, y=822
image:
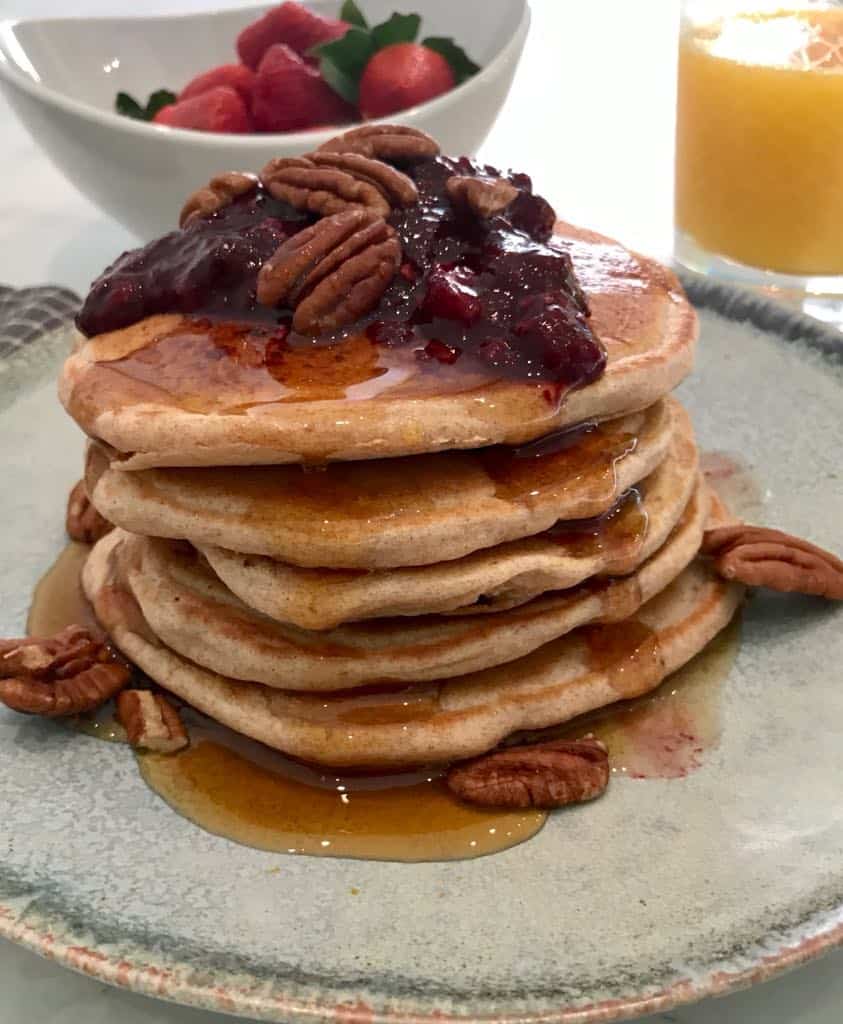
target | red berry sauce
x=495, y=294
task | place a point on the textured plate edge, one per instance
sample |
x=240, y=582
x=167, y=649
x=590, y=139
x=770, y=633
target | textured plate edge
x=173, y=984
x=811, y=939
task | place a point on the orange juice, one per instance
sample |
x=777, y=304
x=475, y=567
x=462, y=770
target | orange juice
x=759, y=161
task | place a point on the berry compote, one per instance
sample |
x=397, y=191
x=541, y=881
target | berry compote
x=498, y=295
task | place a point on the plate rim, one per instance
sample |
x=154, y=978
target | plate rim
x=159, y=975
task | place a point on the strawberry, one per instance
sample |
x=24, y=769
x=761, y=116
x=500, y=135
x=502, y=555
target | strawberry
x=235, y=75
x=291, y=23
x=219, y=110
x=290, y=94
x=402, y=75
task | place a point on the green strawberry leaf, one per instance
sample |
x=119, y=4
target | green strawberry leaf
x=342, y=61
x=350, y=53
x=128, y=106
x=341, y=82
x=160, y=98
x=353, y=15
x=399, y=28
x=461, y=64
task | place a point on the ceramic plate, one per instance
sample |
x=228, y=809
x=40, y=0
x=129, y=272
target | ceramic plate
x=662, y=892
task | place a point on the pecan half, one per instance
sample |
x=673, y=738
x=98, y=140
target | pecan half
x=398, y=188
x=396, y=143
x=761, y=557
x=322, y=190
x=333, y=272
x=546, y=775
x=485, y=197
x=83, y=521
x=151, y=722
x=65, y=674
x=219, y=192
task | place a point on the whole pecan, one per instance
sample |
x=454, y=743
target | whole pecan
x=395, y=143
x=485, y=197
x=761, y=557
x=333, y=272
x=65, y=674
x=546, y=775
x=322, y=190
x=219, y=192
x=151, y=722
x=398, y=188
x=83, y=521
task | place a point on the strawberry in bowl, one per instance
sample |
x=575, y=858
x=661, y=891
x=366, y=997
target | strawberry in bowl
x=300, y=70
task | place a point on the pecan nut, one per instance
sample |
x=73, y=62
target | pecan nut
x=84, y=523
x=485, y=197
x=151, y=722
x=395, y=143
x=398, y=188
x=321, y=190
x=761, y=557
x=333, y=272
x=65, y=674
x=219, y=192
x=545, y=775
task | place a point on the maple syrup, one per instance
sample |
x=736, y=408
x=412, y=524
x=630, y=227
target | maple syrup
x=245, y=792
x=58, y=600
x=585, y=458
x=621, y=531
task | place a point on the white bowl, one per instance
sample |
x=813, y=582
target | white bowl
x=61, y=76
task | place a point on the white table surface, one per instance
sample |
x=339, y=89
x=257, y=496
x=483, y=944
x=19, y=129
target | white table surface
x=591, y=118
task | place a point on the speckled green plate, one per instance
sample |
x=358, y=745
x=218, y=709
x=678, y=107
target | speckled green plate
x=660, y=893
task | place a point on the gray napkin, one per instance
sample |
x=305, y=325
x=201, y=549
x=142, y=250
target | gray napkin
x=29, y=313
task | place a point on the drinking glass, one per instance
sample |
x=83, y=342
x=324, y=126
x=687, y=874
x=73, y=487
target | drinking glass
x=759, y=147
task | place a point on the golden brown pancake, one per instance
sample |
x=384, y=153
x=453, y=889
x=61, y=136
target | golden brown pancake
x=485, y=581
x=189, y=609
x=171, y=391
x=440, y=721
x=388, y=512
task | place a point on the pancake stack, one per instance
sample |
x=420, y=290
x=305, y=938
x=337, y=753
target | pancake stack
x=370, y=553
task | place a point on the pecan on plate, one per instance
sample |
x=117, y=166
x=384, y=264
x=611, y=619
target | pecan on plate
x=398, y=188
x=151, y=722
x=321, y=190
x=64, y=674
x=219, y=192
x=545, y=775
x=332, y=272
x=485, y=197
x=761, y=557
x=84, y=523
x=395, y=143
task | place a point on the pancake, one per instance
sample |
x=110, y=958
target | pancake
x=190, y=610
x=170, y=391
x=445, y=721
x=386, y=513
x=486, y=581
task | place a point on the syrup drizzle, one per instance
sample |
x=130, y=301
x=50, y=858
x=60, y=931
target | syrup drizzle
x=236, y=788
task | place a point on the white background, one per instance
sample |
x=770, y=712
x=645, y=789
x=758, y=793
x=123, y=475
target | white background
x=591, y=118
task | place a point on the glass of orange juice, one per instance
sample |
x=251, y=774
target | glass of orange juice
x=759, y=146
